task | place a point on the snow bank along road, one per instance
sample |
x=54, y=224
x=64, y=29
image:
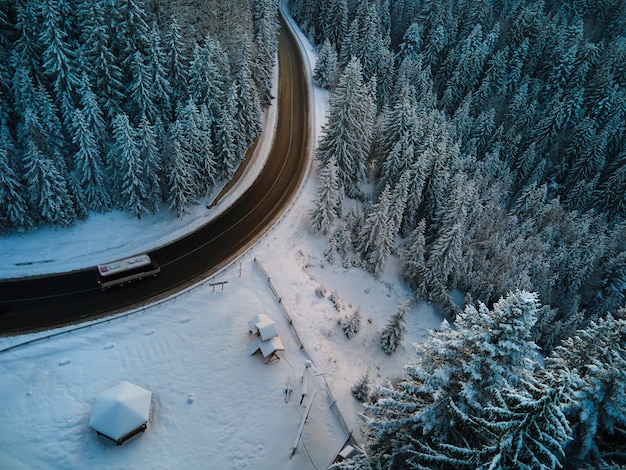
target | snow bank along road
x=46, y=301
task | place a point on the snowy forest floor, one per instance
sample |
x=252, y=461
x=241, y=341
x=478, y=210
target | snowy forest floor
x=212, y=404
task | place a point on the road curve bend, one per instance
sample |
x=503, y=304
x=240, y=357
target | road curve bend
x=43, y=302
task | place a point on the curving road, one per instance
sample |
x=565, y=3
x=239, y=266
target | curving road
x=47, y=301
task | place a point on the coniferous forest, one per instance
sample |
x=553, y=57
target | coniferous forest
x=482, y=144
x=126, y=104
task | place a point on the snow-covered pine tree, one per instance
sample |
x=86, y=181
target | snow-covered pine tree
x=377, y=259
x=523, y=429
x=206, y=156
x=612, y=293
x=334, y=21
x=59, y=59
x=411, y=43
x=5, y=79
x=331, y=253
x=310, y=14
x=92, y=111
x=531, y=431
x=29, y=127
x=441, y=161
x=325, y=72
x=14, y=210
x=196, y=136
x=417, y=182
x=103, y=67
x=458, y=371
x=399, y=198
x=48, y=190
x=361, y=389
x=366, y=42
x=88, y=166
x=328, y=206
x=359, y=461
x=377, y=236
x=413, y=72
x=401, y=135
x=53, y=130
x=176, y=64
x=509, y=355
x=348, y=130
x=130, y=166
x=161, y=137
x=181, y=186
x=342, y=239
x=130, y=30
x=397, y=162
x=469, y=58
x=596, y=356
x=445, y=254
x=206, y=81
x=141, y=90
x=351, y=324
x=248, y=112
x=38, y=116
x=150, y=156
x=611, y=195
x=266, y=41
x=393, y=334
x=413, y=256
x=226, y=157
x=27, y=51
x=156, y=64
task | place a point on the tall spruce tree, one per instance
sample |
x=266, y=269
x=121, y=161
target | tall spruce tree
x=247, y=104
x=99, y=57
x=206, y=80
x=328, y=206
x=176, y=64
x=14, y=210
x=393, y=334
x=48, y=194
x=266, y=41
x=524, y=429
x=58, y=59
x=182, y=188
x=141, y=100
x=596, y=356
x=226, y=153
x=348, y=130
x=376, y=235
x=88, y=166
x=334, y=22
x=447, y=381
x=156, y=64
x=92, y=112
x=150, y=156
x=325, y=72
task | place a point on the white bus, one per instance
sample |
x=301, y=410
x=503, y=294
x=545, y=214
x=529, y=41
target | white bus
x=123, y=271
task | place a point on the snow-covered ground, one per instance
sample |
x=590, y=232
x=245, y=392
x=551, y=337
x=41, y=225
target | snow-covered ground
x=214, y=406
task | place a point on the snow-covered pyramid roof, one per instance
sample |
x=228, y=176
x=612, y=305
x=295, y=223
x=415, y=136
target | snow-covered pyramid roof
x=120, y=410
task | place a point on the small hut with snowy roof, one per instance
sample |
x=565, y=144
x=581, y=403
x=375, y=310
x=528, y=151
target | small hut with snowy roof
x=121, y=412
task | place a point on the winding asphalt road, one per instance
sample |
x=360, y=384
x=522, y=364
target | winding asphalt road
x=39, y=303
